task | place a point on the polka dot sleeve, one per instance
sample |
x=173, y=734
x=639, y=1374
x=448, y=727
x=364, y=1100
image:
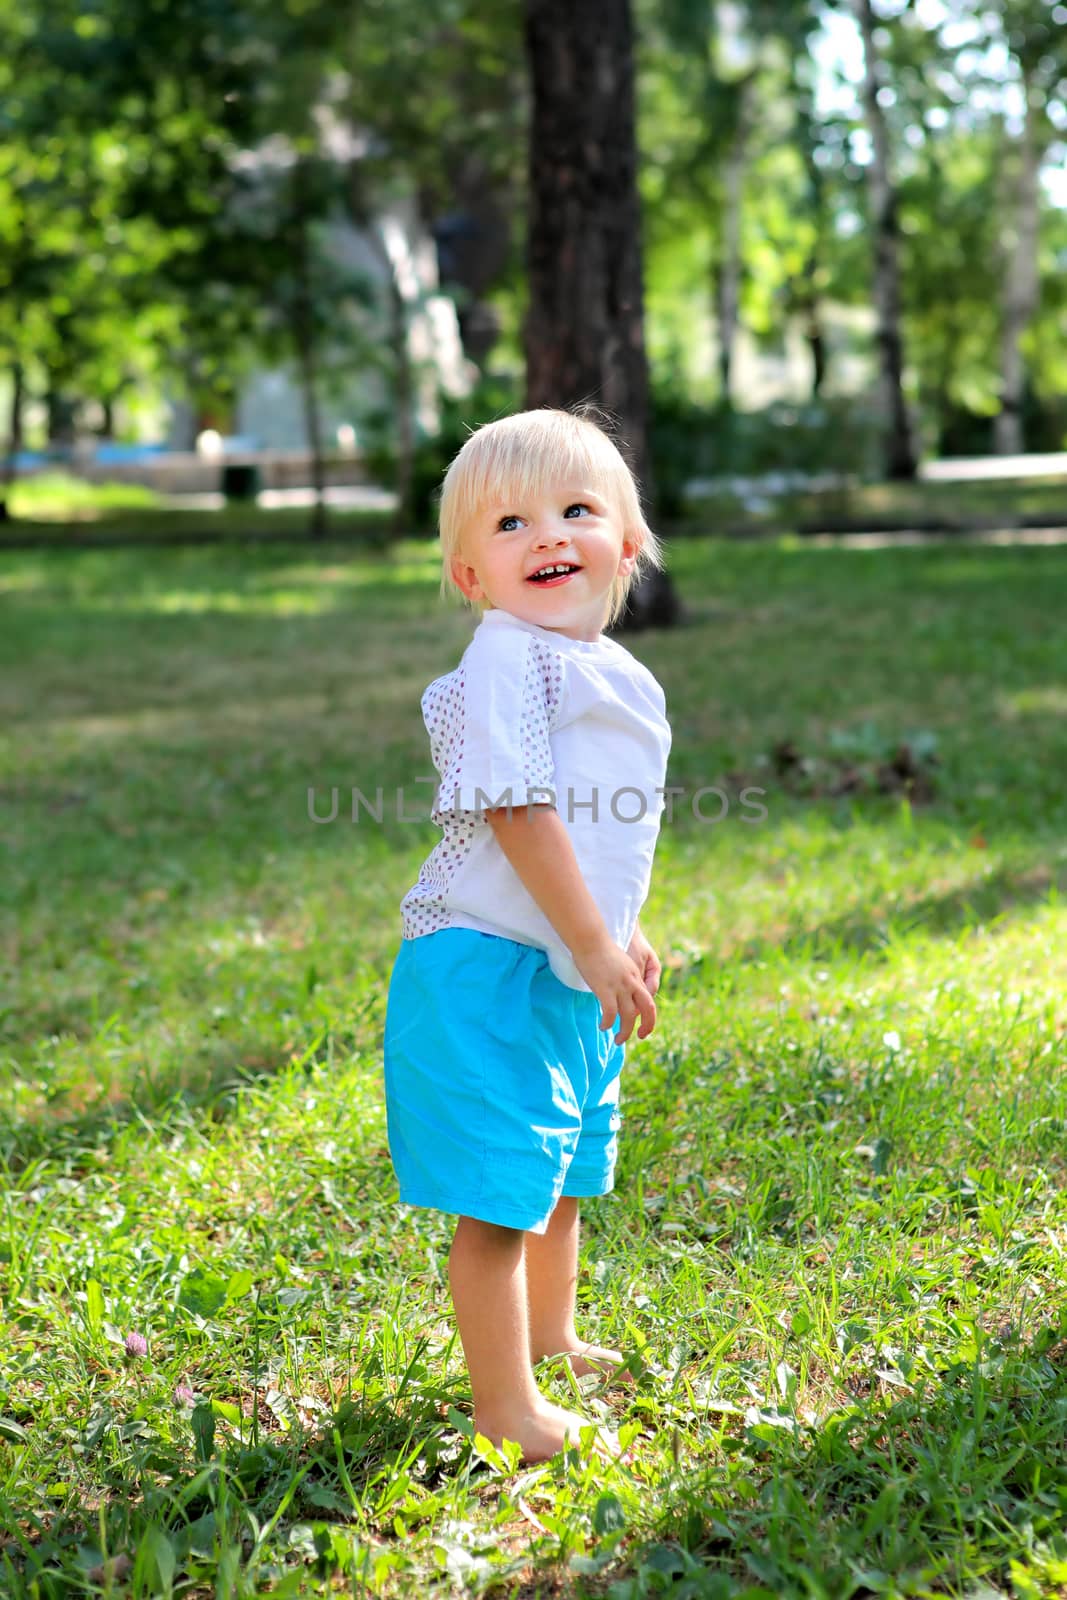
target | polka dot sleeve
x=490, y=724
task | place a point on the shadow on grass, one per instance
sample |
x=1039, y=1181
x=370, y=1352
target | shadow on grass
x=933, y=1490
x=210, y=1092
x=205, y=1090
x=139, y=527
x=980, y=902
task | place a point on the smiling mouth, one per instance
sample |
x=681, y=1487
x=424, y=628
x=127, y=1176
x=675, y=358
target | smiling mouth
x=556, y=572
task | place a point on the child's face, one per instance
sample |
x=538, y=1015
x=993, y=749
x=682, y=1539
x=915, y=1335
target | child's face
x=504, y=546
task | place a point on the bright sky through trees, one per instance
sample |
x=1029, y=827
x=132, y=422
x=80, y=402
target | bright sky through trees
x=838, y=56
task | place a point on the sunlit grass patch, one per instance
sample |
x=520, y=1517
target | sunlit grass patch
x=57, y=496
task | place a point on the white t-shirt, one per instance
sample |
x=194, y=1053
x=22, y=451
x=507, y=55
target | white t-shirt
x=531, y=715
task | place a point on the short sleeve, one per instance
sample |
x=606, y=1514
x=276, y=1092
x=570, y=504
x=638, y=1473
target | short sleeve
x=490, y=723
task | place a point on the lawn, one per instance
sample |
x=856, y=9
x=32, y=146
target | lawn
x=835, y=1254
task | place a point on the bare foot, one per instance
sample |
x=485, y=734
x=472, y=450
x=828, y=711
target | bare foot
x=546, y=1430
x=605, y=1363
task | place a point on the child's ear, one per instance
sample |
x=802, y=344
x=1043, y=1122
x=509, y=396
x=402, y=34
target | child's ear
x=466, y=579
x=628, y=555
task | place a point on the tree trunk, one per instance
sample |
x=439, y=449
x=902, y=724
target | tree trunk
x=404, y=398
x=386, y=238
x=584, y=331
x=813, y=327
x=805, y=296
x=900, y=454
x=728, y=277
x=14, y=438
x=313, y=427
x=402, y=288
x=1019, y=243
x=306, y=354
x=60, y=413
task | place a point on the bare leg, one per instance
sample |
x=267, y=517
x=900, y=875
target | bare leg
x=552, y=1281
x=488, y=1280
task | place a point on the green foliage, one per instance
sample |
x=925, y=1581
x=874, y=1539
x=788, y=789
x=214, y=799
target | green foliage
x=170, y=176
x=806, y=245
x=690, y=441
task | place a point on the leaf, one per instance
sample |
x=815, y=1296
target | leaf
x=203, y=1425
x=94, y=1306
x=608, y=1515
x=851, y=1334
x=197, y=1538
x=665, y=1559
x=9, y=1429
x=462, y=1424
x=155, y=1563
x=239, y=1284
x=202, y=1292
x=485, y=1447
x=326, y=1499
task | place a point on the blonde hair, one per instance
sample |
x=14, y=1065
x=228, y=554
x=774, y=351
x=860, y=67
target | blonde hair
x=520, y=458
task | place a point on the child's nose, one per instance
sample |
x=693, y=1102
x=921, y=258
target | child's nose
x=551, y=533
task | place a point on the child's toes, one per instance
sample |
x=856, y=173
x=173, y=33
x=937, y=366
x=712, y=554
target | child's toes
x=608, y=1365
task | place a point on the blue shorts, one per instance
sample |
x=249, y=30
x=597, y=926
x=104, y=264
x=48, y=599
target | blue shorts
x=501, y=1089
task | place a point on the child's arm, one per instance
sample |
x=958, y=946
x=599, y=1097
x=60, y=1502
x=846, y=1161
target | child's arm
x=537, y=845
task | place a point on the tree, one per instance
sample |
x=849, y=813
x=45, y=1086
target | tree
x=584, y=330
x=712, y=166
x=1035, y=38
x=797, y=23
x=272, y=248
x=969, y=102
x=900, y=461
x=81, y=315
x=753, y=201
x=454, y=148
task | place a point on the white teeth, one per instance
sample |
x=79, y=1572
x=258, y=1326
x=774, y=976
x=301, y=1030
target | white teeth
x=543, y=572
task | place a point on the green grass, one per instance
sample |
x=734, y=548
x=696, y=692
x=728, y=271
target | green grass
x=103, y=519
x=835, y=1252
x=51, y=496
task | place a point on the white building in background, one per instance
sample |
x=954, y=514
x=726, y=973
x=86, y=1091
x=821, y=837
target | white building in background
x=395, y=253
x=270, y=407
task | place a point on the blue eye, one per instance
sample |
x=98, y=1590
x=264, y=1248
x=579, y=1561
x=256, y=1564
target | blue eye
x=509, y=523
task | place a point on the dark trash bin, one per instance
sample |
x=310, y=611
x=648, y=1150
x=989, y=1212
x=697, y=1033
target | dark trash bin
x=241, y=480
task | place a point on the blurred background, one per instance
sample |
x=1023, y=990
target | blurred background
x=277, y=253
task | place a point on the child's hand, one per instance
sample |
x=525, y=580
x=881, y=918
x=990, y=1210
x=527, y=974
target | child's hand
x=647, y=960
x=618, y=983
